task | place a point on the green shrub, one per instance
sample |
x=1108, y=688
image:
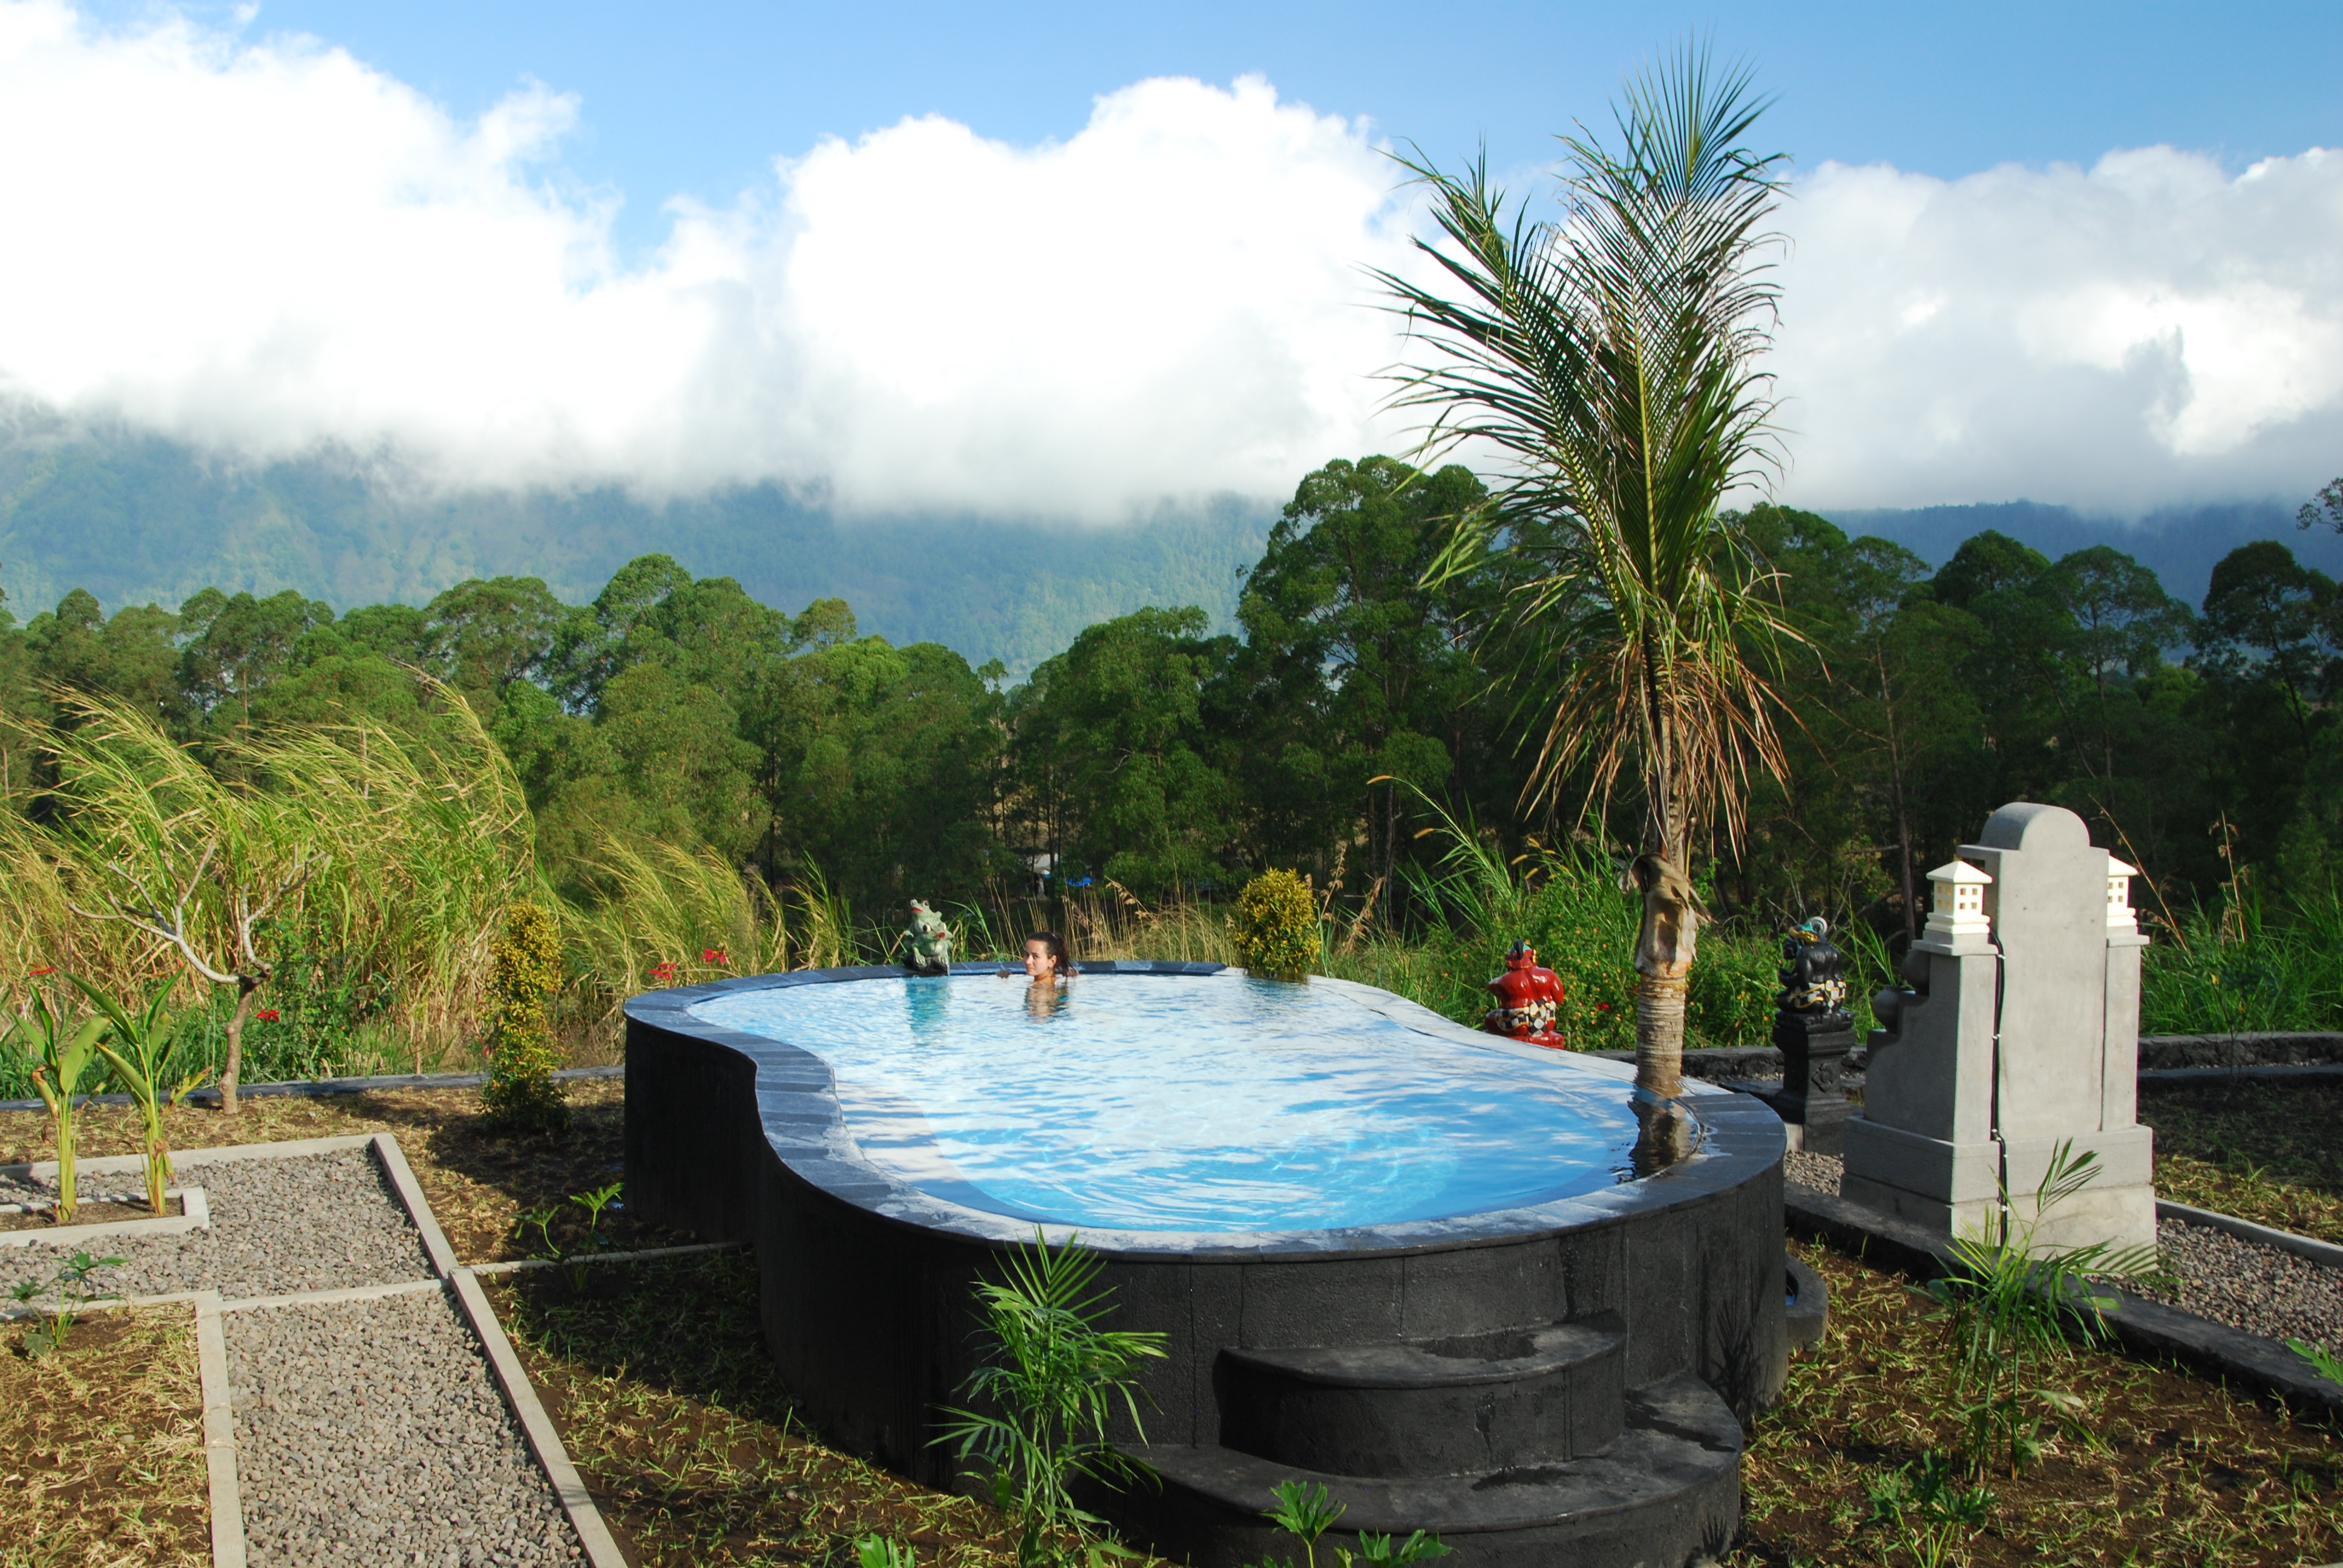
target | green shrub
x=526, y=971
x=1275, y=927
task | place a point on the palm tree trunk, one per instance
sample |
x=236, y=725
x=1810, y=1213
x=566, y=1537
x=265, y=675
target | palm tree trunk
x=1664, y=957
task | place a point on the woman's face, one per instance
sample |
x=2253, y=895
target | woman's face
x=1039, y=963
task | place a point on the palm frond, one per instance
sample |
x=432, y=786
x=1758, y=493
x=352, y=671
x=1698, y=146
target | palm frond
x=1609, y=361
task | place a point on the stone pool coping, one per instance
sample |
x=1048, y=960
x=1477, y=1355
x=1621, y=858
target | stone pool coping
x=805, y=1127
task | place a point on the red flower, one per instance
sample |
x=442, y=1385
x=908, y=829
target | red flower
x=267, y=1015
x=45, y=970
x=714, y=956
x=663, y=971
x=1601, y=1007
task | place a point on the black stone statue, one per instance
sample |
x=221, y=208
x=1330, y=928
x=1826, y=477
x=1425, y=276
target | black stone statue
x=1814, y=1032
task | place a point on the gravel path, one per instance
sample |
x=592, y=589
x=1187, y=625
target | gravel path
x=2248, y=1286
x=316, y=1222
x=2226, y=1278
x=1822, y=1170
x=371, y=1433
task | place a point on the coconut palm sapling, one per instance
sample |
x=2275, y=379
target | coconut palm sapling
x=1609, y=361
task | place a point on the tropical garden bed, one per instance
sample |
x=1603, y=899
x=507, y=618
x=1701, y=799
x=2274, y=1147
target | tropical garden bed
x=655, y=1373
x=101, y=1445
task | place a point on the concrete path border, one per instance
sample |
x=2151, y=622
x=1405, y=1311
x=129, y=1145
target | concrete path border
x=2309, y=1247
x=599, y=1548
x=194, y=1214
x=219, y=1434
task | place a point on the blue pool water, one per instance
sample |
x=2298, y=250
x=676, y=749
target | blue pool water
x=1191, y=1102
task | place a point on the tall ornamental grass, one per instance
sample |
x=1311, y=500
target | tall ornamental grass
x=407, y=849
x=2231, y=968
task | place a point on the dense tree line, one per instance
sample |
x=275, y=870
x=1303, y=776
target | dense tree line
x=1162, y=756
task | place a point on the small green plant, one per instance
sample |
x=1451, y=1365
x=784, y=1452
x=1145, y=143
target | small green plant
x=1420, y=1547
x=47, y=1336
x=1275, y=927
x=548, y=1248
x=60, y=1059
x=597, y=1238
x=1929, y=1513
x=526, y=970
x=1305, y=1512
x=880, y=1552
x=137, y=1047
x=1056, y=1379
x=2323, y=1361
x=2009, y=1304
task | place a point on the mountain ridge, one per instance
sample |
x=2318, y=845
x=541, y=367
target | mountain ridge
x=137, y=518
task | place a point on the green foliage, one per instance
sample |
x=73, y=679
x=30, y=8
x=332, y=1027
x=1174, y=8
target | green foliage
x=2009, y=1302
x=71, y=1283
x=1926, y=1509
x=2323, y=1361
x=526, y=971
x=882, y=1552
x=1111, y=750
x=2228, y=970
x=59, y=1056
x=138, y=1047
x=1275, y=926
x=1304, y=1513
x=1054, y=1379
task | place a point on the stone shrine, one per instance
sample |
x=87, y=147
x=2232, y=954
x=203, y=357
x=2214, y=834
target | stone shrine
x=1814, y=1032
x=2018, y=1030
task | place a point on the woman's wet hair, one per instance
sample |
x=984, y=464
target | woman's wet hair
x=1055, y=946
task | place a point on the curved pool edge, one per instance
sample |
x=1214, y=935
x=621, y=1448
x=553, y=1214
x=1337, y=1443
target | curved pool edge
x=802, y=1122
x=866, y=1298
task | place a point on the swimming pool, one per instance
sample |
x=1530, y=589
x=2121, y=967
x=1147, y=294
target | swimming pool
x=1379, y=1245
x=1202, y=1104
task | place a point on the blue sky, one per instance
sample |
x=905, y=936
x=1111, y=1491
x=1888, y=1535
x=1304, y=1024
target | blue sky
x=1087, y=262
x=688, y=98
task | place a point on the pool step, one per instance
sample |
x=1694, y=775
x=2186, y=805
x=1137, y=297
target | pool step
x=1470, y=1405
x=1666, y=1490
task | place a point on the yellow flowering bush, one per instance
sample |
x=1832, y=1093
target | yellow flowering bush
x=1275, y=927
x=525, y=970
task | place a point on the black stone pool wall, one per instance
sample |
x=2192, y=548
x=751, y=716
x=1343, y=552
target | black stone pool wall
x=868, y=1285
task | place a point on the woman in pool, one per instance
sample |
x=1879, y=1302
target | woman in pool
x=1047, y=969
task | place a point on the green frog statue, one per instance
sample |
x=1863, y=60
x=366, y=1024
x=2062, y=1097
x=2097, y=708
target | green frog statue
x=927, y=942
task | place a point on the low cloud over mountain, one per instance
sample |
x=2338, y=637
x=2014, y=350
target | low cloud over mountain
x=262, y=247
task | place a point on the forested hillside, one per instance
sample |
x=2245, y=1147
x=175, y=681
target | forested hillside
x=136, y=519
x=1155, y=752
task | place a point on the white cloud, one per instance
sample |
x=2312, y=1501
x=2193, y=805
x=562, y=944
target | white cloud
x=259, y=246
x=262, y=247
x=2150, y=331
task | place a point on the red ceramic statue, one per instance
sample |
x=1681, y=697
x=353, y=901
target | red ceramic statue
x=1528, y=997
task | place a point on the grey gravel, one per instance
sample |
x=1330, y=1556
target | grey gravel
x=2249, y=1286
x=372, y=1433
x=2245, y=1284
x=313, y=1222
x=1821, y=1170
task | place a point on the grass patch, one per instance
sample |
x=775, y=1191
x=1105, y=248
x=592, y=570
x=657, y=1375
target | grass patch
x=2263, y=1150
x=102, y=1446
x=675, y=1415
x=2156, y=1467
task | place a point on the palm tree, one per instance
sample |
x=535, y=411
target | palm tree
x=1609, y=361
